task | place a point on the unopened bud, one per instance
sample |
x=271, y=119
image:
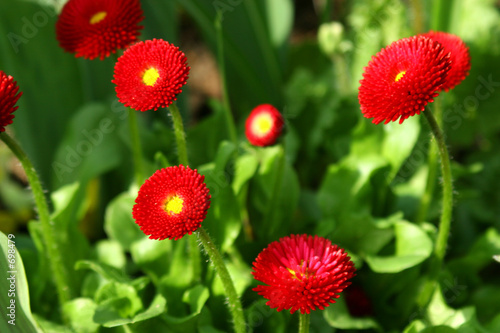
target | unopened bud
x=330, y=37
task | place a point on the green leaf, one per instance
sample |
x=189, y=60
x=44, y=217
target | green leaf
x=245, y=167
x=79, y=312
x=254, y=67
x=91, y=145
x=63, y=198
x=463, y=320
x=223, y=220
x=157, y=307
x=51, y=96
x=337, y=315
x=14, y=294
x=224, y=153
x=279, y=20
x=275, y=192
x=196, y=297
x=261, y=318
x=339, y=190
x=486, y=300
x=51, y=327
x=116, y=301
x=415, y=327
x=399, y=142
x=107, y=272
x=119, y=223
x=111, y=253
x=203, y=141
x=439, y=329
x=413, y=246
x=107, y=315
x=152, y=255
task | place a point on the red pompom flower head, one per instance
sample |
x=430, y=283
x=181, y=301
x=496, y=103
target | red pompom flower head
x=402, y=79
x=171, y=203
x=9, y=95
x=264, y=125
x=150, y=74
x=459, y=57
x=97, y=28
x=302, y=272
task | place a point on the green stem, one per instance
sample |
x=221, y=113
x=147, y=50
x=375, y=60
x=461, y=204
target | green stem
x=233, y=300
x=136, y=147
x=327, y=10
x=432, y=167
x=126, y=329
x=446, y=211
x=342, y=73
x=222, y=69
x=57, y=266
x=180, y=136
x=304, y=320
x=440, y=14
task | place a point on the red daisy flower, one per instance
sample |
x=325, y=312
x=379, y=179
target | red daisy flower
x=302, y=272
x=150, y=74
x=402, y=78
x=171, y=203
x=96, y=28
x=264, y=125
x=459, y=57
x=8, y=98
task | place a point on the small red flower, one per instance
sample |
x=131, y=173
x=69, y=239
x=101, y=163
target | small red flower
x=171, y=203
x=402, y=78
x=150, y=74
x=264, y=125
x=96, y=28
x=459, y=57
x=302, y=272
x=8, y=98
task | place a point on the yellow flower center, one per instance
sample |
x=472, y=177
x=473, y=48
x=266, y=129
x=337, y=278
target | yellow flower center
x=307, y=274
x=262, y=124
x=399, y=76
x=150, y=76
x=174, y=205
x=97, y=17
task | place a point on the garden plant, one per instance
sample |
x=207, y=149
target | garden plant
x=249, y=166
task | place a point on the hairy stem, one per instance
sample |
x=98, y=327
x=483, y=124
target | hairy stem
x=233, y=300
x=52, y=245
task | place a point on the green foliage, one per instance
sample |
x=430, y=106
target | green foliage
x=332, y=173
x=14, y=295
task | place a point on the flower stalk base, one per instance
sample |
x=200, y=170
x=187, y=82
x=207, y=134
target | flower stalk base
x=51, y=243
x=233, y=300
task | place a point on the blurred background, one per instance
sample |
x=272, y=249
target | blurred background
x=304, y=57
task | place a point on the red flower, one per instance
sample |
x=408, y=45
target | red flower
x=8, y=98
x=96, y=28
x=264, y=125
x=459, y=56
x=150, y=74
x=302, y=272
x=402, y=78
x=171, y=203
